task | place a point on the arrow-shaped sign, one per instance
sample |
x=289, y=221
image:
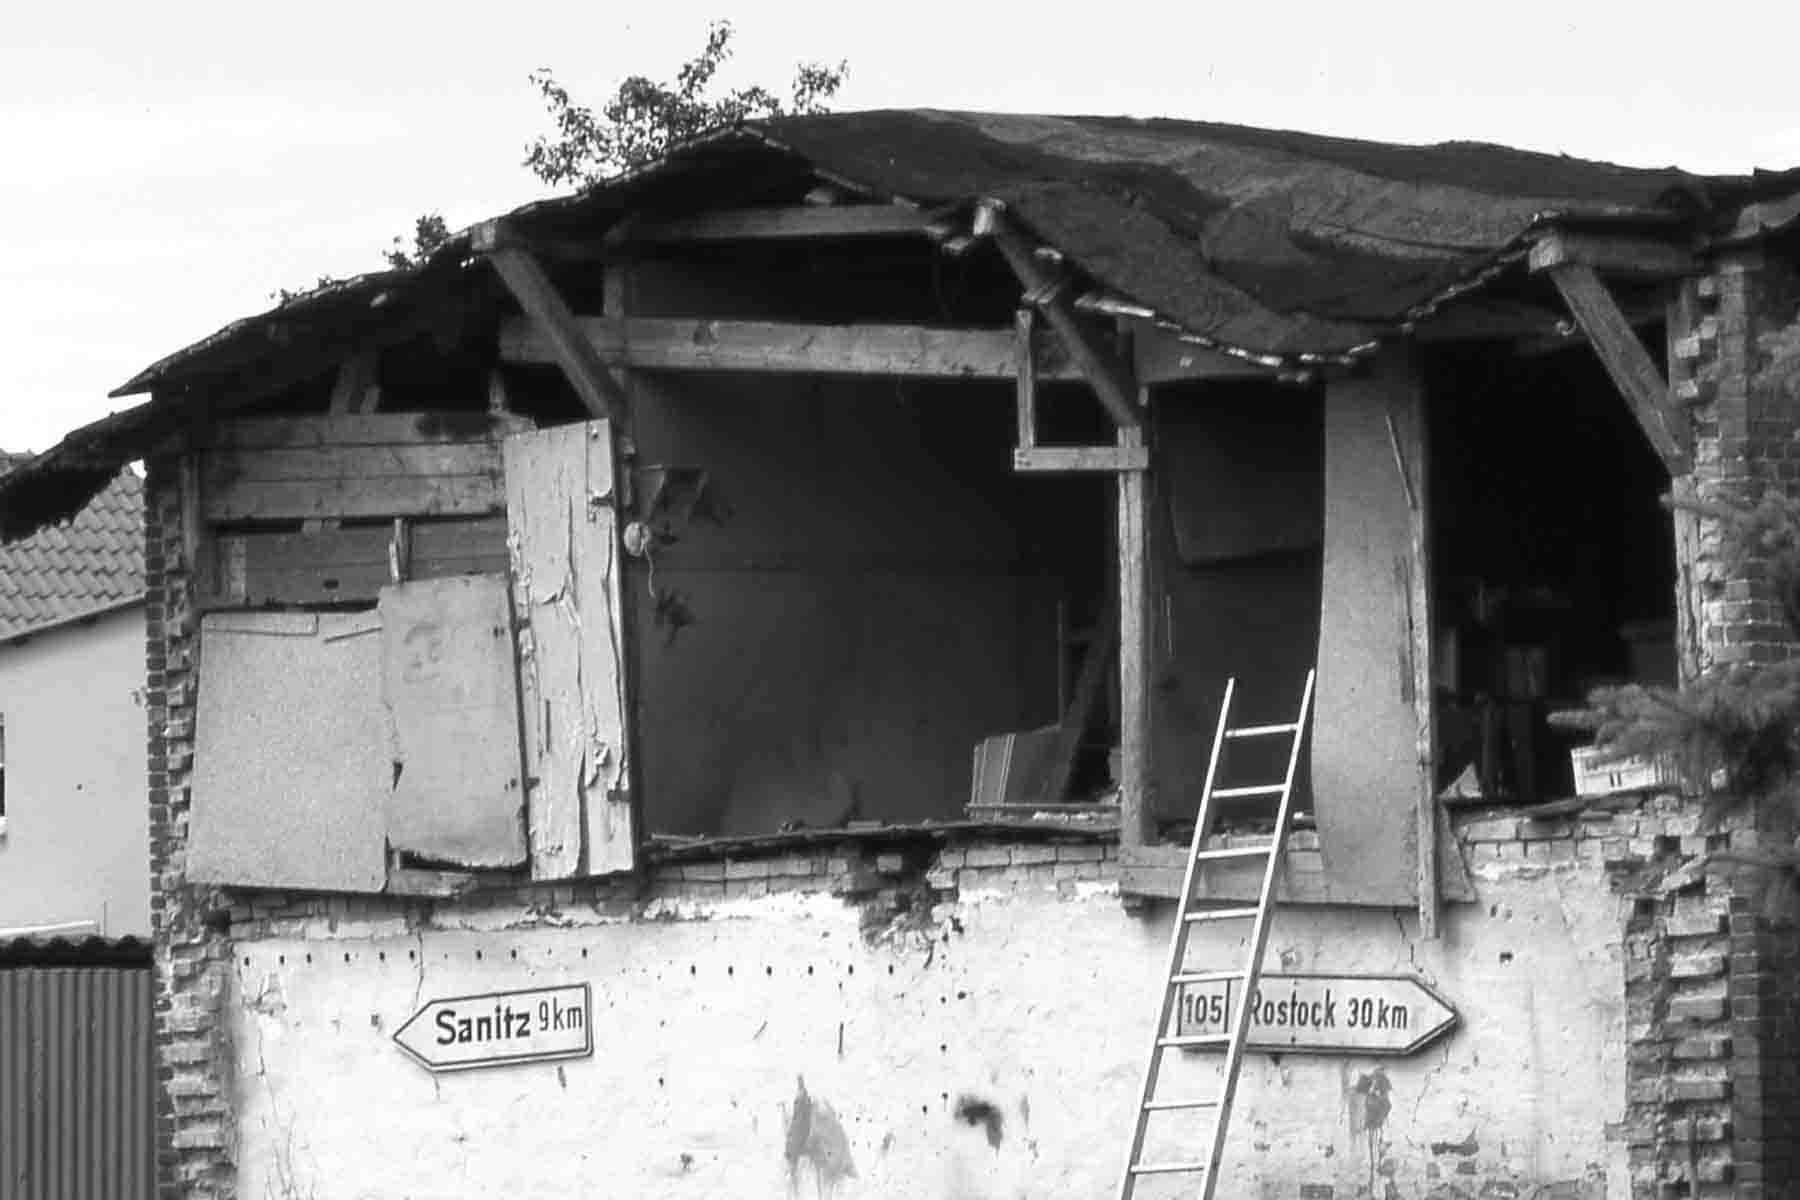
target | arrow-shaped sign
x=496, y=1028
x=1322, y=1014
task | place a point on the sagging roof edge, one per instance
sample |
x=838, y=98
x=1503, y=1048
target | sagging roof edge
x=60, y=481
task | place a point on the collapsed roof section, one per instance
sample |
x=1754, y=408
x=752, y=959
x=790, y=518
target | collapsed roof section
x=1291, y=248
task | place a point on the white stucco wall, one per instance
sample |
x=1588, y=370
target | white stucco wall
x=711, y=1017
x=76, y=846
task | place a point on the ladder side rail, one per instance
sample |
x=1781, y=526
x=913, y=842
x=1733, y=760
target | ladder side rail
x=1177, y=954
x=1259, y=938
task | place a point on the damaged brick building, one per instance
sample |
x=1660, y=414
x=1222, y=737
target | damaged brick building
x=785, y=593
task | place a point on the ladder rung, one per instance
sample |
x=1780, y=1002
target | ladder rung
x=1267, y=789
x=1168, y=1168
x=1177, y=1040
x=1168, y=1105
x=1262, y=730
x=1221, y=914
x=1235, y=852
x=1185, y=977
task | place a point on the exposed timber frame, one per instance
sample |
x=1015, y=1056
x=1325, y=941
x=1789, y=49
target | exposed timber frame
x=569, y=347
x=1574, y=264
x=793, y=223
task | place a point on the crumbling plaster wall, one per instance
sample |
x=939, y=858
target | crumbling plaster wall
x=782, y=1028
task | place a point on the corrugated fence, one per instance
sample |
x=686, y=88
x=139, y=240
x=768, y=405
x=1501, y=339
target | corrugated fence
x=76, y=1115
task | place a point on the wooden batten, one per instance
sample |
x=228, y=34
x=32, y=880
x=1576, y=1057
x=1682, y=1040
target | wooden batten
x=1064, y=459
x=688, y=344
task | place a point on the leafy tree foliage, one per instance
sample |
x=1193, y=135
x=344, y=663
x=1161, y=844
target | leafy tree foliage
x=641, y=120
x=644, y=117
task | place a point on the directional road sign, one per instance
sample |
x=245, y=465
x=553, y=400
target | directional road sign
x=493, y=1029
x=1322, y=1014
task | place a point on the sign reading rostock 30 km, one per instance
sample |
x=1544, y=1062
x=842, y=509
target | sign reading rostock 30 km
x=1322, y=1014
x=493, y=1029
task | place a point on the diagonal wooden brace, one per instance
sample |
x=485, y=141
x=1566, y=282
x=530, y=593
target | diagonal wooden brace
x=1110, y=380
x=525, y=279
x=1627, y=362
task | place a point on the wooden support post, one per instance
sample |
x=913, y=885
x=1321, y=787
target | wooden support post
x=1626, y=361
x=1110, y=381
x=1025, y=323
x=525, y=278
x=1415, y=478
x=1136, y=809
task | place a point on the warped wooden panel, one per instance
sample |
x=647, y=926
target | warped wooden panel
x=1365, y=737
x=224, y=499
x=686, y=344
x=450, y=684
x=346, y=565
x=359, y=429
x=563, y=533
x=293, y=763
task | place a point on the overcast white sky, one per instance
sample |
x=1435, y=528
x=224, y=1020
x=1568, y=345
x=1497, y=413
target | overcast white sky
x=165, y=167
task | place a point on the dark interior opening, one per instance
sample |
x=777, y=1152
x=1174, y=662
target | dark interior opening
x=1554, y=561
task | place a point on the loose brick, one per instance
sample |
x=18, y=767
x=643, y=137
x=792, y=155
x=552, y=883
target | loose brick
x=988, y=856
x=1697, y=1008
x=1080, y=852
x=1697, y=966
x=755, y=868
x=1031, y=856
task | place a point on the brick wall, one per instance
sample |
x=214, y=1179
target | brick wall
x=193, y=1114
x=1744, y=443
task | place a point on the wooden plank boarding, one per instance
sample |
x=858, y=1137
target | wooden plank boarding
x=338, y=566
x=787, y=347
x=562, y=530
x=451, y=687
x=359, y=429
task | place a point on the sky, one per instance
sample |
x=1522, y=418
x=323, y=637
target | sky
x=164, y=168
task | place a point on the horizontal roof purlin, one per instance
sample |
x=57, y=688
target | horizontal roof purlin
x=1281, y=245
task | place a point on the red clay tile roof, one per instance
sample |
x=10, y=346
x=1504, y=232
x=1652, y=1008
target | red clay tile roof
x=88, y=564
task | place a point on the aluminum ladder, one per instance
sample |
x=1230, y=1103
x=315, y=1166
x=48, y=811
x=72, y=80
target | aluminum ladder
x=1187, y=916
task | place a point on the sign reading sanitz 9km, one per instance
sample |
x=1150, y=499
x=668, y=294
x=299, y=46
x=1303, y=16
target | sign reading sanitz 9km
x=1321, y=1014
x=492, y=1029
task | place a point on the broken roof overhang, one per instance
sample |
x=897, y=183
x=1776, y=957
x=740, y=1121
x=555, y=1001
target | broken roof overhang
x=1289, y=250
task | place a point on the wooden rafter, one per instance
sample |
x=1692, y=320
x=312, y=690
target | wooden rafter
x=1110, y=379
x=1626, y=361
x=569, y=347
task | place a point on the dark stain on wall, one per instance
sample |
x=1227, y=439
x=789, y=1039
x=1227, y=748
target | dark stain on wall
x=974, y=1111
x=1465, y=1147
x=816, y=1138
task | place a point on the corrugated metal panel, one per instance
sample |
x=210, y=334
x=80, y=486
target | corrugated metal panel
x=76, y=1115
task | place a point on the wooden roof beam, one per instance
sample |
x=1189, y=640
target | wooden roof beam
x=1636, y=257
x=544, y=306
x=792, y=223
x=795, y=348
x=1110, y=379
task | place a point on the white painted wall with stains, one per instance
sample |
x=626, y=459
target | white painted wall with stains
x=767, y=1047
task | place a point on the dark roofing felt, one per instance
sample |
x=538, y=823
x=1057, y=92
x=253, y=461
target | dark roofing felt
x=86, y=565
x=1290, y=246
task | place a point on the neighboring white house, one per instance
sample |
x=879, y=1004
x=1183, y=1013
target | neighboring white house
x=74, y=849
